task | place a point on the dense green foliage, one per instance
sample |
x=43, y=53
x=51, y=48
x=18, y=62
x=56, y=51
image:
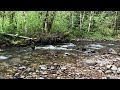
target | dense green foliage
x=95, y=24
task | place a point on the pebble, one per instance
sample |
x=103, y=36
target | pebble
x=109, y=66
x=63, y=68
x=112, y=77
x=44, y=72
x=118, y=70
x=52, y=67
x=108, y=71
x=37, y=71
x=40, y=78
x=22, y=76
x=100, y=71
x=66, y=54
x=104, y=77
x=23, y=67
x=114, y=68
x=90, y=62
x=43, y=67
x=16, y=74
x=58, y=78
x=28, y=69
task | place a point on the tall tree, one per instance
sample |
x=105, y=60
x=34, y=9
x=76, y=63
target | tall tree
x=115, y=22
x=90, y=21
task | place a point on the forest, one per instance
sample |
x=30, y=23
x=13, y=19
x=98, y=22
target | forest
x=59, y=45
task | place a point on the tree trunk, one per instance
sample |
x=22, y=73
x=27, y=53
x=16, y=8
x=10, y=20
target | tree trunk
x=24, y=22
x=91, y=15
x=50, y=23
x=72, y=19
x=44, y=29
x=81, y=20
x=115, y=22
x=3, y=20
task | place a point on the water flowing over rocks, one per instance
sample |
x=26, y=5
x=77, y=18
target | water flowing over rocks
x=55, y=63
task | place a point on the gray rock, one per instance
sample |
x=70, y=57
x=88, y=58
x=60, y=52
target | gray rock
x=44, y=72
x=118, y=70
x=52, y=67
x=109, y=66
x=108, y=71
x=66, y=54
x=114, y=68
x=100, y=71
x=23, y=67
x=112, y=51
x=117, y=63
x=43, y=67
x=112, y=77
x=37, y=71
x=90, y=62
x=22, y=76
x=63, y=68
x=104, y=77
x=58, y=77
x=40, y=78
x=28, y=69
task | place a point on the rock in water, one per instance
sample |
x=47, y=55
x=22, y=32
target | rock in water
x=32, y=46
x=84, y=49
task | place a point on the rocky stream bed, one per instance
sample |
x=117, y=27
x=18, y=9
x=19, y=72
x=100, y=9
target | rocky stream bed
x=81, y=60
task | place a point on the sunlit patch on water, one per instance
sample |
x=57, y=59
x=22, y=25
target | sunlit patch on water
x=95, y=46
x=3, y=57
x=110, y=44
x=51, y=47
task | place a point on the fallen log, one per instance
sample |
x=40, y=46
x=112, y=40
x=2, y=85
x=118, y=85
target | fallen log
x=17, y=36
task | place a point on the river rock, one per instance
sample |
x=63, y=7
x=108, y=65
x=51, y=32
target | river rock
x=114, y=68
x=58, y=77
x=90, y=62
x=22, y=76
x=112, y=77
x=117, y=63
x=43, y=67
x=66, y=54
x=44, y=72
x=108, y=71
x=112, y=51
x=63, y=68
x=109, y=66
x=52, y=67
x=40, y=78
x=37, y=71
x=28, y=69
x=118, y=70
x=22, y=67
